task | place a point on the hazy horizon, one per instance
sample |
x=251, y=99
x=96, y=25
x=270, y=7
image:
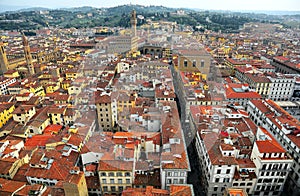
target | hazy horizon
x=229, y=5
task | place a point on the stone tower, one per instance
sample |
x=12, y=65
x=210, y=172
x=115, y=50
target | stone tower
x=133, y=22
x=3, y=59
x=134, y=38
x=28, y=56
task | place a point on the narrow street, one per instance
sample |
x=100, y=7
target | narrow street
x=195, y=175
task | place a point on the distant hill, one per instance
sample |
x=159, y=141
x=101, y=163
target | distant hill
x=82, y=17
x=33, y=9
x=139, y=8
x=79, y=9
x=268, y=12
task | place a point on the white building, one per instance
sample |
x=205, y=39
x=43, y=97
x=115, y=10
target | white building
x=218, y=166
x=4, y=83
x=281, y=87
x=272, y=164
x=285, y=129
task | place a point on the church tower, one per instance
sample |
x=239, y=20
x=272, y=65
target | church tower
x=3, y=59
x=28, y=56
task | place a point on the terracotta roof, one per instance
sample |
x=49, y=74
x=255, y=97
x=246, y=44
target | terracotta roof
x=92, y=182
x=149, y=191
x=61, y=97
x=180, y=190
x=56, y=110
x=22, y=109
x=245, y=163
x=102, y=99
x=258, y=78
x=41, y=140
x=115, y=165
x=193, y=52
x=50, y=129
x=28, y=189
x=9, y=186
x=212, y=143
x=261, y=106
x=75, y=140
x=232, y=94
x=6, y=98
x=269, y=147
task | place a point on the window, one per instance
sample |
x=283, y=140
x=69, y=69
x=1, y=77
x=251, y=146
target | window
x=217, y=180
x=280, y=180
x=127, y=174
x=104, y=181
x=226, y=179
x=103, y=174
x=105, y=189
x=119, y=174
x=120, y=188
x=185, y=63
x=127, y=181
x=227, y=171
x=194, y=63
x=111, y=174
x=113, y=189
x=112, y=181
x=181, y=181
x=202, y=63
x=218, y=171
x=267, y=180
x=119, y=181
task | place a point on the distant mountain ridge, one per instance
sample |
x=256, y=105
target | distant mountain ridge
x=139, y=8
x=119, y=16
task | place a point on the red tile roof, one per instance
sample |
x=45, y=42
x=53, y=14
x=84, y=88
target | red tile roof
x=41, y=140
x=149, y=191
x=22, y=109
x=102, y=99
x=50, y=129
x=180, y=190
x=232, y=94
x=115, y=165
x=269, y=145
x=9, y=186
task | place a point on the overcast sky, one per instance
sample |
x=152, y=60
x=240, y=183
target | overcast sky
x=278, y=5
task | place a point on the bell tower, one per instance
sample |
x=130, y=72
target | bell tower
x=28, y=56
x=133, y=22
x=3, y=59
x=134, y=38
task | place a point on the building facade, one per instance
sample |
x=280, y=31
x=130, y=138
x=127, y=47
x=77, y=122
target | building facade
x=284, y=128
